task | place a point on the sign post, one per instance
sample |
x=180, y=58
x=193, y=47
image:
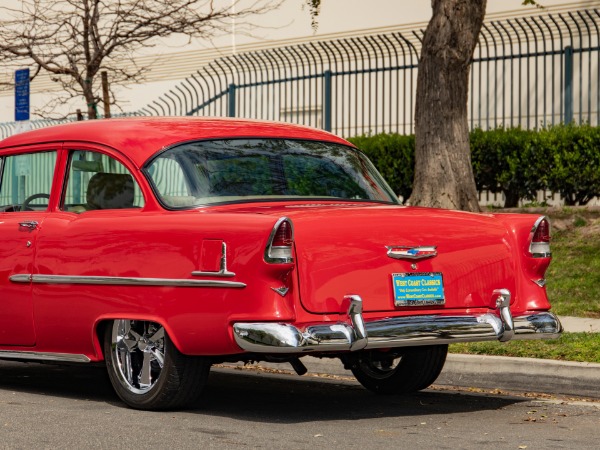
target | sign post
x=22, y=100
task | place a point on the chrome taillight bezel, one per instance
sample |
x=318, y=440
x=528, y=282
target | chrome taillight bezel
x=539, y=249
x=280, y=254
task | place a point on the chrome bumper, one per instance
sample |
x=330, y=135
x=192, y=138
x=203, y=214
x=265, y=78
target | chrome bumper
x=356, y=334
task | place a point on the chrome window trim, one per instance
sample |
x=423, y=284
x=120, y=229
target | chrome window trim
x=121, y=281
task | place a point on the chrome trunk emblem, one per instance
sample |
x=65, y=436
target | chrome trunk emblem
x=410, y=253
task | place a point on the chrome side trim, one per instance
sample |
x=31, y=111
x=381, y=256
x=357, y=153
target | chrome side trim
x=411, y=253
x=539, y=325
x=223, y=272
x=121, y=281
x=197, y=273
x=20, y=278
x=39, y=356
x=541, y=282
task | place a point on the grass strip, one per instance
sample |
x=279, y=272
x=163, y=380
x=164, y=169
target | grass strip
x=580, y=347
x=574, y=274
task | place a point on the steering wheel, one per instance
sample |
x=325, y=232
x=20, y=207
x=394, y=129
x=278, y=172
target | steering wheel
x=25, y=204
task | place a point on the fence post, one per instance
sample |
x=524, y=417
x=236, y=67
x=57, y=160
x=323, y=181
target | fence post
x=231, y=102
x=327, y=100
x=568, y=84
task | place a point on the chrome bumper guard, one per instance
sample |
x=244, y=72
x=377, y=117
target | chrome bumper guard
x=356, y=334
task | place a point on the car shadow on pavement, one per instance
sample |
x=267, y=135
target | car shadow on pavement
x=260, y=397
x=68, y=381
x=251, y=396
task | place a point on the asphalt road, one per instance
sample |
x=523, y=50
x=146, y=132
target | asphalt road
x=46, y=406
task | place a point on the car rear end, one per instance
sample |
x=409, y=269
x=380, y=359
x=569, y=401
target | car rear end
x=387, y=276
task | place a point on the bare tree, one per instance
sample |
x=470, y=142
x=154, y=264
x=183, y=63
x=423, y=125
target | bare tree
x=443, y=171
x=74, y=40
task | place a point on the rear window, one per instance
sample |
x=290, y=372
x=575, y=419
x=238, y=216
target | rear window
x=207, y=172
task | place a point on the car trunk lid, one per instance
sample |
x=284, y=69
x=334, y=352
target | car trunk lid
x=398, y=258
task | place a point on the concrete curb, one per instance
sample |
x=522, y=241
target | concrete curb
x=493, y=372
x=522, y=375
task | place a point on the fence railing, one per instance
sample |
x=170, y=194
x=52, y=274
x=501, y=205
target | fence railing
x=528, y=72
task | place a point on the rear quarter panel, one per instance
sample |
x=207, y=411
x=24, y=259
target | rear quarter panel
x=528, y=296
x=153, y=245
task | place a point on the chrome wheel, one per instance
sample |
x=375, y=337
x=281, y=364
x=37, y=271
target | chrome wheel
x=139, y=354
x=147, y=370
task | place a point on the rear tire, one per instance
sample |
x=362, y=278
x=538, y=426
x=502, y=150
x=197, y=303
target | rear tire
x=399, y=370
x=146, y=369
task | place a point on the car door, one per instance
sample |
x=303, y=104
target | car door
x=25, y=187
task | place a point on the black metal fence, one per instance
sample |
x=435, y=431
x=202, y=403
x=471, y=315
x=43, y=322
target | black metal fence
x=528, y=72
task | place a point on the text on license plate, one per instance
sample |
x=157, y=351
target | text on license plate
x=418, y=289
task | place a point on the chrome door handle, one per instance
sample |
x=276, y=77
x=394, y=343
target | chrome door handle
x=30, y=224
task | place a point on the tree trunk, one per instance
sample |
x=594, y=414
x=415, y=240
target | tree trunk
x=443, y=171
x=88, y=95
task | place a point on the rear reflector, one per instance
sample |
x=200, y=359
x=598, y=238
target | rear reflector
x=281, y=241
x=540, y=239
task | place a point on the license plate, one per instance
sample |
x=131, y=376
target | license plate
x=418, y=289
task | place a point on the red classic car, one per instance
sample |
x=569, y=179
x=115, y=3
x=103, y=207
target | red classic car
x=164, y=245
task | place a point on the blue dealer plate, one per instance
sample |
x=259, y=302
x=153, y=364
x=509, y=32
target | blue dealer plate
x=418, y=289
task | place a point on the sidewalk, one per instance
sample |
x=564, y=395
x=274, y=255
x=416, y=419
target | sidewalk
x=501, y=372
x=580, y=324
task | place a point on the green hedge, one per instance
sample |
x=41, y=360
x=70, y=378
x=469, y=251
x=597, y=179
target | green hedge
x=394, y=157
x=519, y=163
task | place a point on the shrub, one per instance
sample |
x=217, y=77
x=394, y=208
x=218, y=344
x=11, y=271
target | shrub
x=573, y=166
x=517, y=162
x=506, y=160
x=394, y=157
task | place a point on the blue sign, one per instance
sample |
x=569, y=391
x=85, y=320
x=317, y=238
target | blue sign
x=22, y=94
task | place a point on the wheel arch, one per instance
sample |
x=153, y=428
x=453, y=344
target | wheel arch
x=102, y=326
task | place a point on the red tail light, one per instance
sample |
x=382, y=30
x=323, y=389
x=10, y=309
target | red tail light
x=283, y=236
x=281, y=241
x=542, y=233
x=540, y=239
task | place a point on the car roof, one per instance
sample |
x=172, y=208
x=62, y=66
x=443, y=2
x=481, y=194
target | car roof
x=142, y=137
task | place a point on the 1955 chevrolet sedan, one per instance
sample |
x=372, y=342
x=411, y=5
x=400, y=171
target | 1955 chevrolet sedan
x=162, y=246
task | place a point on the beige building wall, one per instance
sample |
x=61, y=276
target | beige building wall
x=171, y=61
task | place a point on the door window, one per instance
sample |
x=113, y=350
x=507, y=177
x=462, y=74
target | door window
x=97, y=181
x=26, y=181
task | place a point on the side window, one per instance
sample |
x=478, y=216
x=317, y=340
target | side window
x=168, y=177
x=97, y=181
x=26, y=181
